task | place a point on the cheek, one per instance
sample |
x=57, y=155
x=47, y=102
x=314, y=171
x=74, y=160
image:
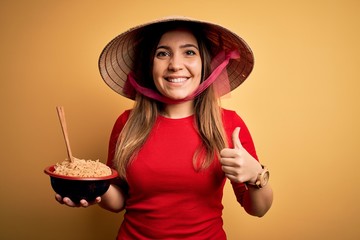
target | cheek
x=158, y=67
x=156, y=74
x=196, y=68
x=155, y=71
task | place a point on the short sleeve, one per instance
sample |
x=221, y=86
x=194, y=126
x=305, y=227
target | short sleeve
x=231, y=121
x=117, y=128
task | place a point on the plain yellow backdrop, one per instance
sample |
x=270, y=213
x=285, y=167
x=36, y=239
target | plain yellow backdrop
x=301, y=104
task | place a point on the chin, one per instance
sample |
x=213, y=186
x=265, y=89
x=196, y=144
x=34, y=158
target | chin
x=176, y=96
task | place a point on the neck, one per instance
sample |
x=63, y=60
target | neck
x=179, y=110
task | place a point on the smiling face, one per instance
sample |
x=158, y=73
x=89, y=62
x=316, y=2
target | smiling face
x=177, y=64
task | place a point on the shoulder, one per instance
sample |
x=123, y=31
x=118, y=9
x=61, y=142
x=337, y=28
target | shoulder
x=227, y=113
x=123, y=117
x=125, y=114
x=120, y=122
x=117, y=128
x=231, y=119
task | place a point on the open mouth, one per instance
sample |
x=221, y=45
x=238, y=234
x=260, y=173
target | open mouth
x=176, y=80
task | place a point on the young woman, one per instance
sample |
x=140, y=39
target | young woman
x=175, y=149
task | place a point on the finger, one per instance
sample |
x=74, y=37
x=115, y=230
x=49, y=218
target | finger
x=230, y=177
x=229, y=170
x=84, y=203
x=68, y=202
x=228, y=161
x=59, y=198
x=233, y=178
x=236, y=138
x=229, y=153
x=233, y=175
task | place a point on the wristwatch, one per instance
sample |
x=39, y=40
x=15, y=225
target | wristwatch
x=262, y=178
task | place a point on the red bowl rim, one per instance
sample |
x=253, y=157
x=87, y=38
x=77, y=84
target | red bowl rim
x=50, y=171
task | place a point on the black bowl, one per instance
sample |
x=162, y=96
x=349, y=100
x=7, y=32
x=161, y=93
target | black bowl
x=77, y=188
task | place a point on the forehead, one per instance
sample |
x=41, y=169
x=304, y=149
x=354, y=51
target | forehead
x=179, y=35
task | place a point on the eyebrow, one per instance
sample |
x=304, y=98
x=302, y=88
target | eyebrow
x=182, y=46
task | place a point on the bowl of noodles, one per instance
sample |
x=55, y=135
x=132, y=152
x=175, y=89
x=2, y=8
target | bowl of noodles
x=80, y=179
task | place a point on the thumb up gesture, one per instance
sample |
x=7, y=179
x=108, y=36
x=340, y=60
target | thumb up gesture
x=237, y=164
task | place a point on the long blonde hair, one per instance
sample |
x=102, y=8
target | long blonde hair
x=207, y=112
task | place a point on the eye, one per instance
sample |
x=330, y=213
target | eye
x=161, y=54
x=190, y=52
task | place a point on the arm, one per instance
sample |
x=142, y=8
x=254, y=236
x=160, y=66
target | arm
x=241, y=167
x=113, y=200
x=256, y=201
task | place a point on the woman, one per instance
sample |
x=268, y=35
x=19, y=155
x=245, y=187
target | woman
x=176, y=147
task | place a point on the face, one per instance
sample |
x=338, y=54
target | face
x=177, y=64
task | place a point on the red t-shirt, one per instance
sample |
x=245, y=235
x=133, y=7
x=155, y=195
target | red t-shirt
x=167, y=198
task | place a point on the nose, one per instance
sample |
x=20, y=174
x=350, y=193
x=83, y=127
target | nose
x=175, y=63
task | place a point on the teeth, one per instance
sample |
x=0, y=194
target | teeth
x=176, y=80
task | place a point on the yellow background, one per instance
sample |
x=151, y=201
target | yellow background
x=301, y=104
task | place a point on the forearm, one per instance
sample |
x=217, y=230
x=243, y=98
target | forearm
x=113, y=200
x=256, y=201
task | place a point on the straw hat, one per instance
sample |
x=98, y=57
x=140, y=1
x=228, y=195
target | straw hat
x=117, y=60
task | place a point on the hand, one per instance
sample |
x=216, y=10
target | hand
x=83, y=203
x=237, y=164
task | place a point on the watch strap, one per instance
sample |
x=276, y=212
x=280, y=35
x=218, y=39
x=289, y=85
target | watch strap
x=258, y=182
